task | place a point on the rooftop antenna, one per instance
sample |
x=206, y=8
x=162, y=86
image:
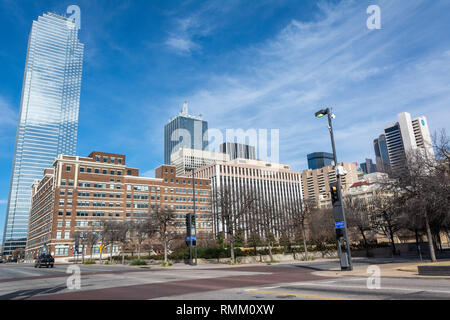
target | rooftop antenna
x=185, y=107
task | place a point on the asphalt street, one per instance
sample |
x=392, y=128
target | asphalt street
x=212, y=282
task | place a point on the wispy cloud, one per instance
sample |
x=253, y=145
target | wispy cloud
x=367, y=76
x=187, y=32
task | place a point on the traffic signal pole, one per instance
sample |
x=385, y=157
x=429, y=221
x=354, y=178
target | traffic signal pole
x=195, y=220
x=339, y=212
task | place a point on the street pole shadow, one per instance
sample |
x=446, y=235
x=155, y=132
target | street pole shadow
x=26, y=294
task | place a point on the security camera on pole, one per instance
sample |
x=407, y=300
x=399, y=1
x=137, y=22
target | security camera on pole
x=343, y=244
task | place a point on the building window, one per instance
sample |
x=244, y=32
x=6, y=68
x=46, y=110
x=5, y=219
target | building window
x=89, y=170
x=68, y=223
x=68, y=168
x=129, y=172
x=58, y=234
x=81, y=169
x=105, y=159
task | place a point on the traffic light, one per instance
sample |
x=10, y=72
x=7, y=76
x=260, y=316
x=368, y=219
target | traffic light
x=193, y=220
x=188, y=226
x=334, y=192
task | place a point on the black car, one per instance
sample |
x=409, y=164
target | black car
x=44, y=260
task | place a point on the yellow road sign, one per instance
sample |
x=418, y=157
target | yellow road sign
x=100, y=247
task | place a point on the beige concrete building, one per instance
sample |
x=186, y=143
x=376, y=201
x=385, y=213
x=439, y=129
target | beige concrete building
x=316, y=183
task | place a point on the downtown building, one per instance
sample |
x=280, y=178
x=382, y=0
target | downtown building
x=272, y=182
x=48, y=119
x=317, y=160
x=316, y=183
x=184, y=131
x=238, y=150
x=78, y=193
x=187, y=159
x=403, y=136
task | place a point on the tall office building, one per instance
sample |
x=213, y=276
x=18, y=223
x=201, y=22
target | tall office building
x=316, y=183
x=406, y=135
x=185, y=131
x=381, y=154
x=319, y=160
x=368, y=166
x=48, y=119
x=238, y=150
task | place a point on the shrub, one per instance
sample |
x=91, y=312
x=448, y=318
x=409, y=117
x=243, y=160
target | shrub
x=89, y=261
x=138, y=262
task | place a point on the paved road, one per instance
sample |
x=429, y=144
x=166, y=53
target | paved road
x=211, y=282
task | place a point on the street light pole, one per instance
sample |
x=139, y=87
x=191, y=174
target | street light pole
x=195, y=219
x=338, y=209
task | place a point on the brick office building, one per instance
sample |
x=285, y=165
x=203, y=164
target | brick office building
x=80, y=192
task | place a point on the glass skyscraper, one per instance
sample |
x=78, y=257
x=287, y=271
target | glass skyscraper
x=48, y=119
x=317, y=160
x=185, y=131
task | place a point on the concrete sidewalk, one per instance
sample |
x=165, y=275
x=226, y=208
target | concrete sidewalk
x=388, y=270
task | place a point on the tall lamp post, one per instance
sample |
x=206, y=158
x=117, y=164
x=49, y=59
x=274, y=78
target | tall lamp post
x=336, y=198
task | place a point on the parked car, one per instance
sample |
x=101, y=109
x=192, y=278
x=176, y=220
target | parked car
x=44, y=260
x=2, y=261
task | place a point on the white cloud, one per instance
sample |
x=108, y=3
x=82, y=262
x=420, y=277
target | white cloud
x=367, y=76
x=3, y=201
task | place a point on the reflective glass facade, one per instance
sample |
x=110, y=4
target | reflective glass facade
x=48, y=119
x=319, y=160
x=185, y=132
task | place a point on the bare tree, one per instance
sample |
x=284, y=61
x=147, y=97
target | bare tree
x=427, y=182
x=385, y=215
x=163, y=220
x=142, y=230
x=267, y=213
x=357, y=216
x=321, y=228
x=91, y=238
x=115, y=232
x=299, y=212
x=233, y=206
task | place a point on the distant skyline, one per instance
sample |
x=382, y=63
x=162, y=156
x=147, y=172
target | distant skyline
x=241, y=64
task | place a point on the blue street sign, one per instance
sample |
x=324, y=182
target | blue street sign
x=339, y=224
x=189, y=239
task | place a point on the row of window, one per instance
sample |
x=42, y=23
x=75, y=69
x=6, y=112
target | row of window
x=103, y=171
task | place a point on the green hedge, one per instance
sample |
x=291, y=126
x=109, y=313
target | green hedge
x=138, y=262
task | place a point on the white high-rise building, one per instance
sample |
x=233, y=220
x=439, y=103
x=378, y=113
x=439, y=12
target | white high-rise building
x=407, y=135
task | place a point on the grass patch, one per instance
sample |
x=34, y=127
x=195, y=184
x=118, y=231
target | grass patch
x=89, y=261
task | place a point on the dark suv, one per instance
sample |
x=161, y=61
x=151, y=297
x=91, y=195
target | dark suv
x=44, y=260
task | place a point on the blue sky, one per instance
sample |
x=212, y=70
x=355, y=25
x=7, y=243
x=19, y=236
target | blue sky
x=241, y=64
